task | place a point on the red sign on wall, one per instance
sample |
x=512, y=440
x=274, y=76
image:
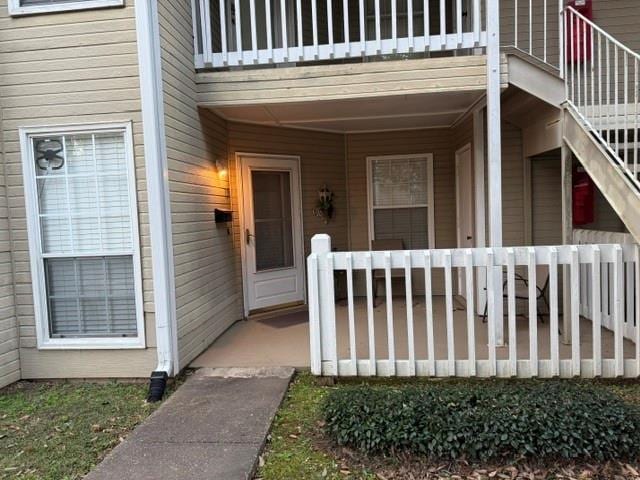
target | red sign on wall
x=579, y=32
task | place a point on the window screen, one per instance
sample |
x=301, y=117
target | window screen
x=86, y=229
x=400, y=200
x=272, y=219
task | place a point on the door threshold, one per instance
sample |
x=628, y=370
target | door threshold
x=279, y=310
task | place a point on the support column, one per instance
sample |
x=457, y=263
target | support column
x=494, y=150
x=481, y=204
x=567, y=238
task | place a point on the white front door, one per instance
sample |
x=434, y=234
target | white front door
x=272, y=235
x=464, y=207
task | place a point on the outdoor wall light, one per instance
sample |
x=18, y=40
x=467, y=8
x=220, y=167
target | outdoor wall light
x=222, y=171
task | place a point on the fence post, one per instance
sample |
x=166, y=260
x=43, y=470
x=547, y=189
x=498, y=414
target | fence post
x=315, y=352
x=321, y=247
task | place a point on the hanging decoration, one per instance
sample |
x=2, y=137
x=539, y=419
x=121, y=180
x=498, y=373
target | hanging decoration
x=49, y=154
x=324, y=206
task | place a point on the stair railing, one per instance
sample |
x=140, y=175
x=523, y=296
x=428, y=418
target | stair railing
x=535, y=28
x=602, y=87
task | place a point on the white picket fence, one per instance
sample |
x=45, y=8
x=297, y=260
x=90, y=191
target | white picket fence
x=586, y=361
x=258, y=32
x=607, y=282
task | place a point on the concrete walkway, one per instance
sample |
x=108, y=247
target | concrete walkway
x=213, y=427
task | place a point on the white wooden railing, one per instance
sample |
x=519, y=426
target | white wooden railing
x=534, y=27
x=587, y=360
x=607, y=282
x=602, y=83
x=255, y=32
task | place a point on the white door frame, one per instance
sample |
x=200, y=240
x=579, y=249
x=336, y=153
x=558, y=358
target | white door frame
x=459, y=234
x=241, y=219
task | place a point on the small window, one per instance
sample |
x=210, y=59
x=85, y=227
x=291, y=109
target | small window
x=401, y=200
x=83, y=237
x=25, y=7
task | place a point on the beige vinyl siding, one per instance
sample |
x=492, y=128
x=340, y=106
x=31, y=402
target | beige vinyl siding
x=342, y=81
x=513, y=191
x=207, y=266
x=70, y=68
x=462, y=133
x=546, y=199
x=9, y=342
x=619, y=18
x=321, y=162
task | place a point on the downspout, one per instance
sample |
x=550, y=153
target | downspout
x=155, y=150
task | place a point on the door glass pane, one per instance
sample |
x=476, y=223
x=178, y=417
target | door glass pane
x=272, y=219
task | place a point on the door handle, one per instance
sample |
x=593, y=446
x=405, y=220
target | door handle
x=248, y=236
x=469, y=237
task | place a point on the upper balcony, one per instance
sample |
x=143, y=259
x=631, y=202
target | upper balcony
x=231, y=33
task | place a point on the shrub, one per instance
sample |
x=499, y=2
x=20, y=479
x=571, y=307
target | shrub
x=482, y=421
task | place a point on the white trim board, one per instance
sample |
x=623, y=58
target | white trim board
x=43, y=339
x=16, y=9
x=157, y=173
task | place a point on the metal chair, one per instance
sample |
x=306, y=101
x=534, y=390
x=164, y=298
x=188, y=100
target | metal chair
x=541, y=294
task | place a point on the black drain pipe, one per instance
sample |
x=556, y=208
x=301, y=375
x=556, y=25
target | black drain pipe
x=157, y=385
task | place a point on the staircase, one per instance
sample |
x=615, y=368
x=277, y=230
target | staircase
x=602, y=112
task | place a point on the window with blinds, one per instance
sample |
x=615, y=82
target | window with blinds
x=84, y=207
x=401, y=197
x=24, y=7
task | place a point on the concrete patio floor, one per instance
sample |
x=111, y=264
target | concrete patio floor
x=283, y=340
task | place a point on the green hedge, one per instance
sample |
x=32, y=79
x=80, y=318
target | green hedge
x=482, y=421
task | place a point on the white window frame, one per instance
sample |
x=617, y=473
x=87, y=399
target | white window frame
x=430, y=194
x=44, y=339
x=16, y=9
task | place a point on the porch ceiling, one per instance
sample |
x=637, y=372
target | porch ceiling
x=427, y=110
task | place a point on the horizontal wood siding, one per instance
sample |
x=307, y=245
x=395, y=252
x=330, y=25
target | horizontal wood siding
x=513, y=196
x=70, y=68
x=620, y=19
x=546, y=198
x=207, y=266
x=327, y=82
x=321, y=162
x=9, y=341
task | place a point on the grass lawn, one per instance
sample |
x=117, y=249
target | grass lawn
x=297, y=448
x=59, y=431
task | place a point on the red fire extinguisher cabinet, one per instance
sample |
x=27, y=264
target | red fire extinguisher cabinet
x=583, y=198
x=578, y=32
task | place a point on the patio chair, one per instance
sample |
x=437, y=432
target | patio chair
x=384, y=245
x=541, y=294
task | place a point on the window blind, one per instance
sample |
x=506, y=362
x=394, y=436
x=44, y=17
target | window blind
x=400, y=195
x=84, y=212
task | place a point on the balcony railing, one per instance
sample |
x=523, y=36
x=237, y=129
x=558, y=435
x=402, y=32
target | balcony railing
x=261, y=32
